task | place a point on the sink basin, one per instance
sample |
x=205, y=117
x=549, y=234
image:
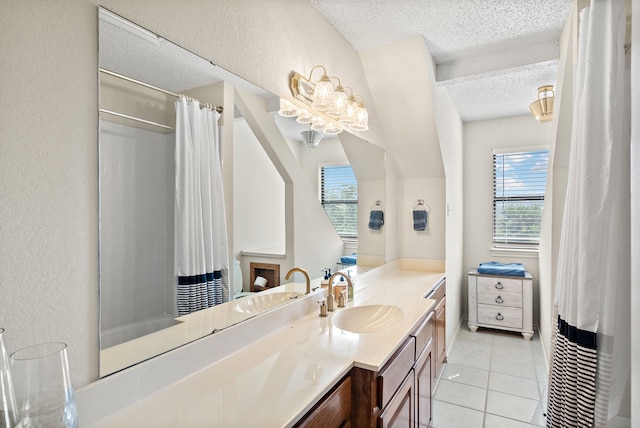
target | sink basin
x=265, y=301
x=367, y=319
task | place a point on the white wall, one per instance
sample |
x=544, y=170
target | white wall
x=451, y=139
x=479, y=139
x=635, y=216
x=259, y=202
x=48, y=141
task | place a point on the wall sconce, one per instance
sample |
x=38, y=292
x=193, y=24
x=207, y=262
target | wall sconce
x=542, y=108
x=327, y=109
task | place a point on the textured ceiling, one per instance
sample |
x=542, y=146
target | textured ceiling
x=156, y=61
x=492, y=55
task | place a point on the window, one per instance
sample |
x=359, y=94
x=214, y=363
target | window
x=339, y=197
x=519, y=180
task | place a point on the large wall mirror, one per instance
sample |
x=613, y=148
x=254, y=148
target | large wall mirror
x=139, y=74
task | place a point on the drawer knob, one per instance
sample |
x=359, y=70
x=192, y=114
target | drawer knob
x=499, y=299
x=499, y=317
x=499, y=285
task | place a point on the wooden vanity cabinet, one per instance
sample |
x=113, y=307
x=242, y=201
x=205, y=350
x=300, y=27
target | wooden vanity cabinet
x=399, y=395
x=438, y=293
x=333, y=410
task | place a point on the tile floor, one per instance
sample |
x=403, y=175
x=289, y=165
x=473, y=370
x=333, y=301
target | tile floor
x=492, y=379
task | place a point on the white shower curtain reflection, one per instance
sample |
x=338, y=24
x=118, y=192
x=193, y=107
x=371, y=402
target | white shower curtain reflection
x=590, y=363
x=202, y=261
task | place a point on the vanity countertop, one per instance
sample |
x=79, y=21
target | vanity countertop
x=275, y=380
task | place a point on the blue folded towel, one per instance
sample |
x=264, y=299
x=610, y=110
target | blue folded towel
x=376, y=219
x=504, y=269
x=349, y=260
x=419, y=219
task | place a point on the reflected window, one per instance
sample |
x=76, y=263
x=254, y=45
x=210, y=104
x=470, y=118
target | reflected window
x=339, y=197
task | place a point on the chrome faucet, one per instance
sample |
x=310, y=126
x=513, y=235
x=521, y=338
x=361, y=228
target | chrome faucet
x=341, y=302
x=306, y=277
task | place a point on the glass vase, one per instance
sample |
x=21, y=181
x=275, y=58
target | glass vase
x=43, y=389
x=8, y=414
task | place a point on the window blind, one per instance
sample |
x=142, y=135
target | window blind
x=339, y=197
x=519, y=181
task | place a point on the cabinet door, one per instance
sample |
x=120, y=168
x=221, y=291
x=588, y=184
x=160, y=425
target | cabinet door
x=333, y=411
x=401, y=412
x=423, y=387
x=441, y=334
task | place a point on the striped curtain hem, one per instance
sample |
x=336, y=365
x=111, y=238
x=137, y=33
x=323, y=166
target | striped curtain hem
x=199, y=292
x=572, y=387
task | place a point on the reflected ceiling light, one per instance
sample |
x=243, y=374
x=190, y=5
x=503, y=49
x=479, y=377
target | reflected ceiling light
x=327, y=108
x=311, y=138
x=542, y=108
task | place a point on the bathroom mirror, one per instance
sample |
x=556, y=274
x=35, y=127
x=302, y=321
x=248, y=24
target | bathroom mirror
x=136, y=196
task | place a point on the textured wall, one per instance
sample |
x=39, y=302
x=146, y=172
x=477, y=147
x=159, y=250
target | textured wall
x=48, y=140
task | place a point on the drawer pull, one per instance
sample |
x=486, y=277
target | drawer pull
x=499, y=317
x=499, y=285
x=499, y=299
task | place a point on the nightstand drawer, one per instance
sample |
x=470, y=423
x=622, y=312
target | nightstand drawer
x=500, y=316
x=500, y=298
x=488, y=284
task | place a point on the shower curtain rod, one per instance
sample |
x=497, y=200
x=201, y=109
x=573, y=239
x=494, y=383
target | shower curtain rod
x=164, y=91
x=137, y=119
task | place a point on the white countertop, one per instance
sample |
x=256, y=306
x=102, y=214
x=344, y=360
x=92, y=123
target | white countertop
x=275, y=380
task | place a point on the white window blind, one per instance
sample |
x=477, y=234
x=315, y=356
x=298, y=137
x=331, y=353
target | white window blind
x=519, y=180
x=339, y=197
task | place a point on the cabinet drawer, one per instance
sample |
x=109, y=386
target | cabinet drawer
x=423, y=334
x=332, y=410
x=493, y=284
x=391, y=376
x=500, y=298
x=500, y=316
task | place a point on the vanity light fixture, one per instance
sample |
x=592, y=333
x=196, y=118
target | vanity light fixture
x=328, y=108
x=542, y=108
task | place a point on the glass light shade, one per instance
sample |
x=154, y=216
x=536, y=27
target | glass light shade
x=304, y=117
x=339, y=102
x=362, y=119
x=322, y=94
x=350, y=113
x=332, y=129
x=318, y=123
x=542, y=108
x=287, y=109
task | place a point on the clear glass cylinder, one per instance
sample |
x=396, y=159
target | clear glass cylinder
x=43, y=389
x=8, y=411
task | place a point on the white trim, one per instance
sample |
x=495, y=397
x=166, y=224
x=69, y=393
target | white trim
x=503, y=150
x=531, y=253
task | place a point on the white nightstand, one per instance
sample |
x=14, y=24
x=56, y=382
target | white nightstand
x=502, y=302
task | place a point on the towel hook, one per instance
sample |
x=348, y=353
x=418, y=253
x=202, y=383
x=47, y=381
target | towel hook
x=421, y=205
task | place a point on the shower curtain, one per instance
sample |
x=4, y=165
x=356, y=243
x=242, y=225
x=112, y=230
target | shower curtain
x=201, y=256
x=590, y=362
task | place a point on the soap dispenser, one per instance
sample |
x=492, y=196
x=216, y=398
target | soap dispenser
x=339, y=288
x=327, y=274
